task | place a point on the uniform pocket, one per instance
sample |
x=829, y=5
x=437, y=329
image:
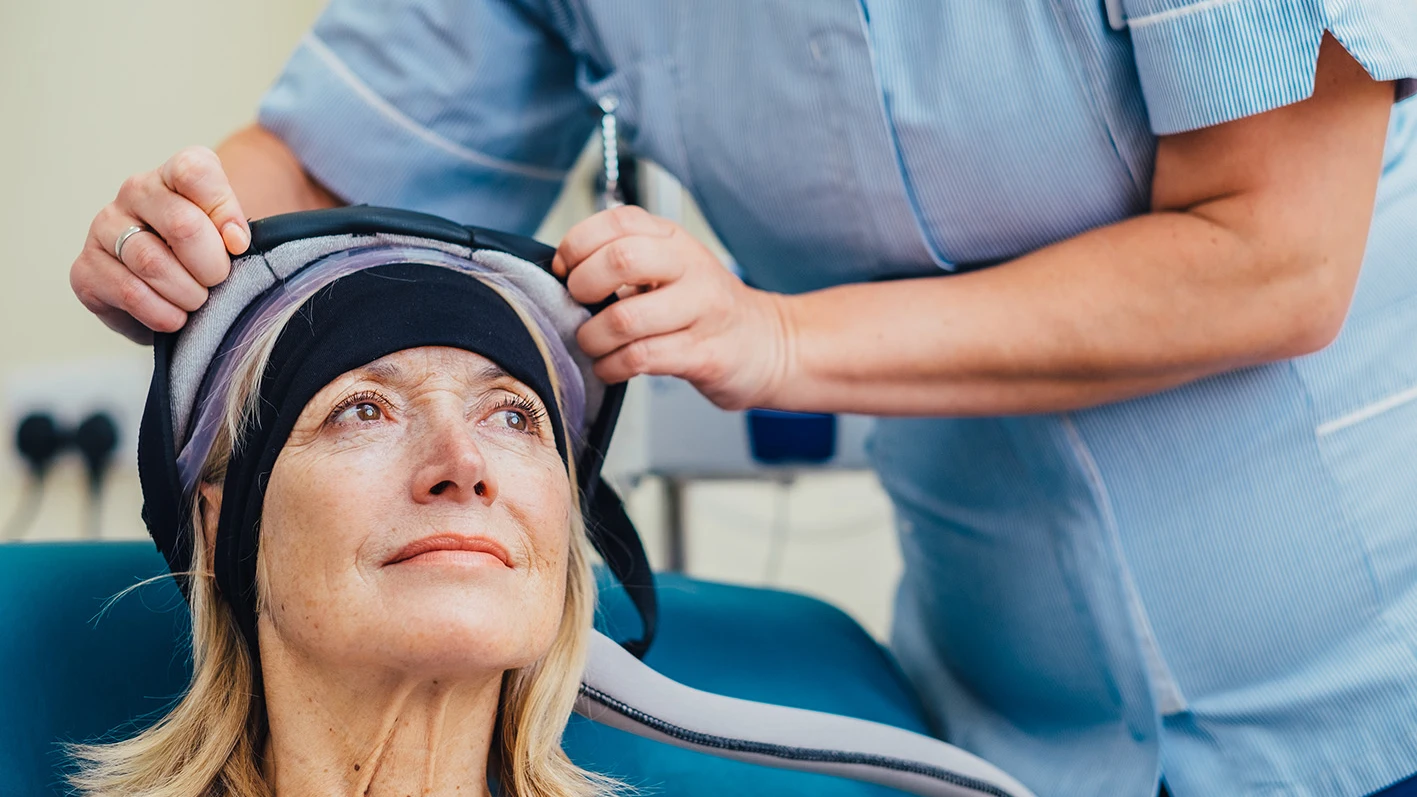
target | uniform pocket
x=1372, y=455
x=1364, y=394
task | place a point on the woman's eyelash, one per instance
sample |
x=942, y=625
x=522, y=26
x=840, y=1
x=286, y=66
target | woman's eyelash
x=362, y=397
x=535, y=413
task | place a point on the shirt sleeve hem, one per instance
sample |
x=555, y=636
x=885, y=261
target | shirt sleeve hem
x=1227, y=60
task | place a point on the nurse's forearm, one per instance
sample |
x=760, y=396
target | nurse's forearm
x=267, y=177
x=1122, y=311
x=1250, y=255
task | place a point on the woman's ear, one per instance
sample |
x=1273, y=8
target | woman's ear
x=209, y=494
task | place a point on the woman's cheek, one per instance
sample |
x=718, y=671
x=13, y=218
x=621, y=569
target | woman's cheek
x=318, y=511
x=538, y=494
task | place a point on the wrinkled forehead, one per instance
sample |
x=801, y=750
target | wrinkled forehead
x=410, y=371
x=262, y=287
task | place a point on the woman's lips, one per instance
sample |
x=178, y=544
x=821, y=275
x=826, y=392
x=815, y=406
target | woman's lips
x=453, y=545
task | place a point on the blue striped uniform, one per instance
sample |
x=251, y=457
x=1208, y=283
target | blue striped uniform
x=1217, y=583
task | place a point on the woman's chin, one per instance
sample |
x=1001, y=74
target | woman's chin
x=456, y=628
x=463, y=651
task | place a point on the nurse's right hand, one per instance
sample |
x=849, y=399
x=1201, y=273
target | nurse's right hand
x=191, y=225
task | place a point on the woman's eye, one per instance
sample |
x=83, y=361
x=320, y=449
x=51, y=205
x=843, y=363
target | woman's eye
x=362, y=411
x=362, y=407
x=514, y=419
x=367, y=411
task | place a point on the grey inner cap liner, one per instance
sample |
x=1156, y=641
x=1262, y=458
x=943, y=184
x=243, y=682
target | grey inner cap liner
x=208, y=326
x=621, y=691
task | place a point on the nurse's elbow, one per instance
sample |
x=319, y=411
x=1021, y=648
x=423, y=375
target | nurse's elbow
x=1315, y=333
x=1316, y=307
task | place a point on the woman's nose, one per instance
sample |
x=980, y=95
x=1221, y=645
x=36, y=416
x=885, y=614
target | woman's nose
x=451, y=466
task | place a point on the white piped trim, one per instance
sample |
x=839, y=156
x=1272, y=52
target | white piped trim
x=1174, y=13
x=1364, y=413
x=397, y=117
x=1116, y=17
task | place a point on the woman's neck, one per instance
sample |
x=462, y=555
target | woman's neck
x=341, y=731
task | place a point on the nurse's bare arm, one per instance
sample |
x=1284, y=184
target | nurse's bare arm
x=1250, y=254
x=198, y=203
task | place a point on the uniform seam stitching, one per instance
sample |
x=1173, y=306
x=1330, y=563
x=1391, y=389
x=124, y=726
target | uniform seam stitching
x=398, y=118
x=1104, y=501
x=1093, y=83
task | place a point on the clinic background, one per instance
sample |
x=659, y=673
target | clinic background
x=91, y=92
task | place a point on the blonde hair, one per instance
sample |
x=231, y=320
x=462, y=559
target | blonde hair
x=210, y=744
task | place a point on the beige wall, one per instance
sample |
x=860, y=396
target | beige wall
x=92, y=91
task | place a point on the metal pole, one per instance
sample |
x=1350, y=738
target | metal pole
x=675, y=539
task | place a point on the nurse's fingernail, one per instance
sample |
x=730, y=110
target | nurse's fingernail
x=235, y=237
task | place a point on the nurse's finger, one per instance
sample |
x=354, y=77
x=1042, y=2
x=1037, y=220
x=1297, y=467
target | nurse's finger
x=147, y=257
x=196, y=173
x=188, y=232
x=636, y=261
x=595, y=232
x=675, y=354
x=109, y=290
x=643, y=316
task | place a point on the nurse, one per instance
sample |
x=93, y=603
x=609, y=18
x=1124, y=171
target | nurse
x=1133, y=282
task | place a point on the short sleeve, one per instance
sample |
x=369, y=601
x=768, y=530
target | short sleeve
x=1203, y=62
x=463, y=108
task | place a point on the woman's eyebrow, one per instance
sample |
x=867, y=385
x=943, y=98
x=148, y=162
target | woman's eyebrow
x=388, y=373
x=490, y=372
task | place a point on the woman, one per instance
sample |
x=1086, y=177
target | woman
x=416, y=614
x=1151, y=477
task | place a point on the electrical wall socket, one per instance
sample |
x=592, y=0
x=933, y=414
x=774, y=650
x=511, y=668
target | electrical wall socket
x=71, y=391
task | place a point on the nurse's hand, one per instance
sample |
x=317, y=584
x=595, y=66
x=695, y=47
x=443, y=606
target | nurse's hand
x=192, y=224
x=683, y=314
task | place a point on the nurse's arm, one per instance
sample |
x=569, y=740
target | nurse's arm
x=1250, y=254
x=267, y=177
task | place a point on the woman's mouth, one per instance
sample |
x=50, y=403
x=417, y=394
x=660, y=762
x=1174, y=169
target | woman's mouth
x=452, y=549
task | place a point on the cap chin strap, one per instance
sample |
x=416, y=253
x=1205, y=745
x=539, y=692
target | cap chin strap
x=613, y=535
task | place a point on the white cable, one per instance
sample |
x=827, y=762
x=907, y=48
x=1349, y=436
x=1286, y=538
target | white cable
x=777, y=533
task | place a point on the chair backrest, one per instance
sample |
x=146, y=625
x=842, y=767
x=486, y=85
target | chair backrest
x=68, y=670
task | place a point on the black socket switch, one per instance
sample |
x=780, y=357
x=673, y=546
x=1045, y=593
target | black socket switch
x=40, y=441
x=97, y=439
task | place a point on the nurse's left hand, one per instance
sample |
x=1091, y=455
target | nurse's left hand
x=682, y=313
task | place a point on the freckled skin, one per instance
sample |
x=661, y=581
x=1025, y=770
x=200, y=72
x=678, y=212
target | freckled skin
x=383, y=679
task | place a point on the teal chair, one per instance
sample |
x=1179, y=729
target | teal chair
x=70, y=671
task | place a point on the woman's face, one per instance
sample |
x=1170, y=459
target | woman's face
x=418, y=517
